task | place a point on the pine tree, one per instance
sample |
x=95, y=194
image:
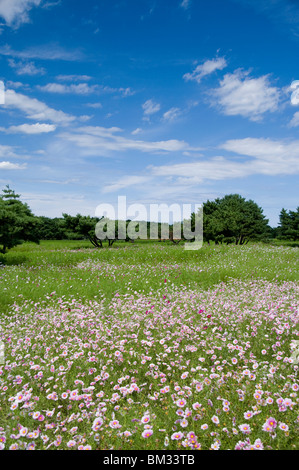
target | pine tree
x=232, y=219
x=289, y=224
x=17, y=223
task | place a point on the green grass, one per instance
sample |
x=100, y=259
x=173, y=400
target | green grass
x=32, y=271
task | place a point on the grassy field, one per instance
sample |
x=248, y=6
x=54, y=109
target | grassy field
x=149, y=346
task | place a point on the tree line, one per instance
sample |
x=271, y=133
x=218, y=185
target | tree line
x=231, y=219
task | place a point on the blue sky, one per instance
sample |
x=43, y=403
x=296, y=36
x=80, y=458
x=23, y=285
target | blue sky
x=161, y=101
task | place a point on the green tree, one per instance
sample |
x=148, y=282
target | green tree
x=84, y=227
x=50, y=229
x=232, y=219
x=289, y=224
x=17, y=223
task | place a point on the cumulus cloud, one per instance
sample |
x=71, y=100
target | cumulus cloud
x=78, y=89
x=35, y=109
x=150, y=107
x=15, y=12
x=26, y=68
x=239, y=94
x=171, y=114
x=30, y=129
x=208, y=67
x=12, y=166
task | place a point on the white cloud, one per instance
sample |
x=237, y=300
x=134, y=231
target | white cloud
x=185, y=4
x=171, y=114
x=62, y=183
x=101, y=141
x=263, y=149
x=216, y=168
x=30, y=129
x=125, y=182
x=11, y=166
x=15, y=12
x=295, y=120
x=48, y=5
x=83, y=89
x=136, y=131
x=74, y=78
x=266, y=157
x=35, y=109
x=52, y=51
x=84, y=118
x=150, y=107
x=294, y=88
x=94, y=105
x=239, y=94
x=26, y=68
x=10, y=84
x=7, y=152
x=79, y=89
x=126, y=91
x=208, y=67
x=272, y=157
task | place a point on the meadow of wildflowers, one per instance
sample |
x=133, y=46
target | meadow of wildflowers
x=118, y=350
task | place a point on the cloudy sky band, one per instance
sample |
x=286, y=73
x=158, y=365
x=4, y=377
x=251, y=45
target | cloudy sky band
x=137, y=137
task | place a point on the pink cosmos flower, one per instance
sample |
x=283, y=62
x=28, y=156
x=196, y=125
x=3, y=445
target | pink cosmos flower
x=266, y=427
x=145, y=419
x=287, y=402
x=31, y=446
x=147, y=433
x=114, y=424
x=13, y=447
x=71, y=443
x=215, y=419
x=177, y=435
x=283, y=427
x=258, y=445
x=271, y=422
x=182, y=402
x=245, y=428
x=23, y=431
x=97, y=424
